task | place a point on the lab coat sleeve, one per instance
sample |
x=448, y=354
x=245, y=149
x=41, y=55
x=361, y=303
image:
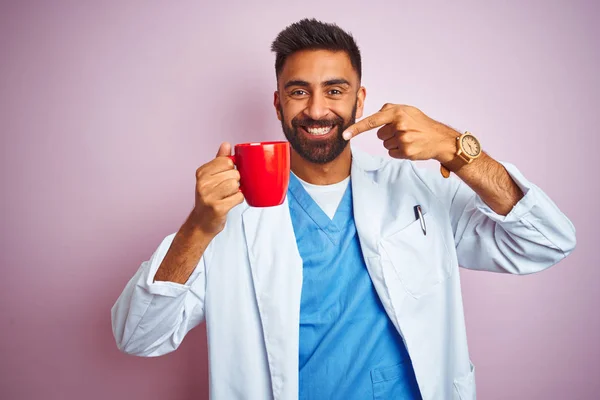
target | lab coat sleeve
x=533, y=236
x=152, y=318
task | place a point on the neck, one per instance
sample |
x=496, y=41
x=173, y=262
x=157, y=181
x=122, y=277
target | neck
x=322, y=174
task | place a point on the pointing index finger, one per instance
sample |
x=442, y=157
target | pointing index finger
x=371, y=122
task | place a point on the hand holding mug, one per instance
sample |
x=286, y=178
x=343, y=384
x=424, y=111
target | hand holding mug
x=217, y=192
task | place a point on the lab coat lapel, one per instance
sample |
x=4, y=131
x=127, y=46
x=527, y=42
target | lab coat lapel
x=277, y=274
x=368, y=197
x=372, y=220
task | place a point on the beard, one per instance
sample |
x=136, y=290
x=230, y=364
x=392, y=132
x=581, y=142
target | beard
x=317, y=151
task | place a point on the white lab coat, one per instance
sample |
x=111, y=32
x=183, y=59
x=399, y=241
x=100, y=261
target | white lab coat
x=248, y=283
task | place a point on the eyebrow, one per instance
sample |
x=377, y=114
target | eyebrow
x=330, y=82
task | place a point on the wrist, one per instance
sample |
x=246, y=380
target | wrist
x=193, y=227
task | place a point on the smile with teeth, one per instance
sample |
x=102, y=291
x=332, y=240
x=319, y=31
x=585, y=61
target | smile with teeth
x=318, y=131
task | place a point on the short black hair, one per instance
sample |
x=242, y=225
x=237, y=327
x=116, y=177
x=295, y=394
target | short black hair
x=310, y=34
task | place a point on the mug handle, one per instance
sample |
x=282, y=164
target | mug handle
x=232, y=158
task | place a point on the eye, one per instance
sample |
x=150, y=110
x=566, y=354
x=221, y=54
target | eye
x=335, y=92
x=298, y=93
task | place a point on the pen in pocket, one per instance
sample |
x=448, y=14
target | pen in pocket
x=419, y=216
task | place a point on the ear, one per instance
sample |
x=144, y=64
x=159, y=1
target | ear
x=360, y=101
x=277, y=104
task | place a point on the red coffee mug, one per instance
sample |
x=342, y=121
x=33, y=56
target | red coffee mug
x=264, y=172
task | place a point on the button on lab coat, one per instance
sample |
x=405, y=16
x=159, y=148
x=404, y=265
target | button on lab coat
x=247, y=285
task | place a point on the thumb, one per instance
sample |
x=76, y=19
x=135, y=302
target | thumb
x=224, y=150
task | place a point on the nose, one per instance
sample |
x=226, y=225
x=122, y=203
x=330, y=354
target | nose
x=317, y=107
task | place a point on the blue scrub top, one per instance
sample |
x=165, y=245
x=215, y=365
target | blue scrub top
x=349, y=349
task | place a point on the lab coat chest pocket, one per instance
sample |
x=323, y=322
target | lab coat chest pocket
x=420, y=260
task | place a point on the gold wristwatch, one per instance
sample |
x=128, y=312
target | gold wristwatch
x=468, y=149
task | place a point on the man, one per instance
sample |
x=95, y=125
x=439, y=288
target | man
x=350, y=289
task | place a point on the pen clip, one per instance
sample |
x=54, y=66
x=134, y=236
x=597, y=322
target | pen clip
x=419, y=216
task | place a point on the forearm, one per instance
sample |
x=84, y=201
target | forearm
x=184, y=254
x=490, y=180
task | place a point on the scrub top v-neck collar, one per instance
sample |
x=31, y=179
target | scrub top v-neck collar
x=331, y=227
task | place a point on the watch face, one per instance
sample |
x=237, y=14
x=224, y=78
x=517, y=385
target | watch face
x=470, y=146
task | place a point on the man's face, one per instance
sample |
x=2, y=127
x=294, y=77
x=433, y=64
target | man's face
x=318, y=96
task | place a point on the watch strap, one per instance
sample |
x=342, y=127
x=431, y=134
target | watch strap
x=445, y=171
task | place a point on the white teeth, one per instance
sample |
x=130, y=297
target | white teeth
x=319, y=131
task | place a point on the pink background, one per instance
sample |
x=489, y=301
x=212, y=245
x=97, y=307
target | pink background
x=107, y=109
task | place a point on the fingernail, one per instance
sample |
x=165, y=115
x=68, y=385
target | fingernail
x=347, y=135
